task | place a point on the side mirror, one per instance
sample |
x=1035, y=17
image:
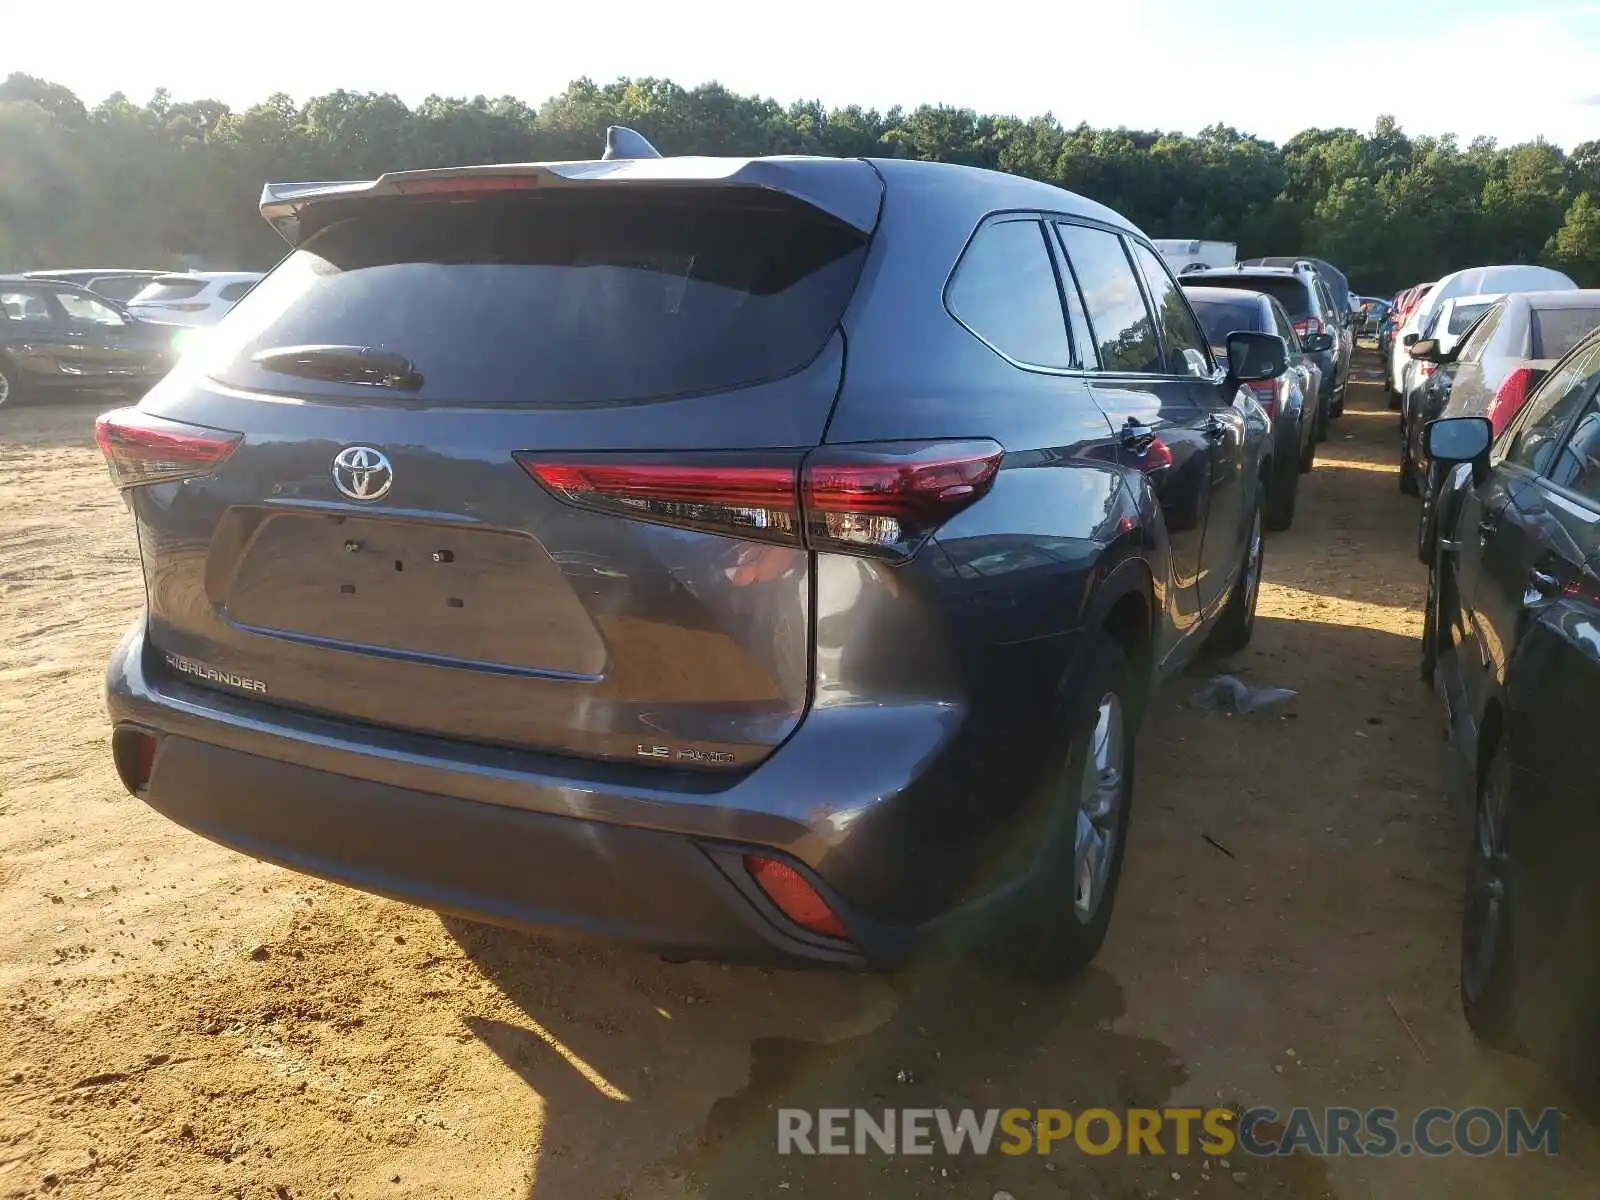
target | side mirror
x=1256, y=356
x=1459, y=439
x=1317, y=343
x=1426, y=350
x=1411, y=339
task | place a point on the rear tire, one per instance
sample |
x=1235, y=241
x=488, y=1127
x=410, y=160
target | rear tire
x=1308, y=456
x=1488, y=982
x=1064, y=909
x=1238, y=620
x=1281, y=499
x=1408, y=470
x=1430, y=625
x=10, y=391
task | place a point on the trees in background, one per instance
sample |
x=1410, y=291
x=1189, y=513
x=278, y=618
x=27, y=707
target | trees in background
x=127, y=184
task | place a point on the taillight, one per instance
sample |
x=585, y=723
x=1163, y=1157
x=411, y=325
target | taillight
x=794, y=895
x=142, y=448
x=1510, y=397
x=1428, y=368
x=752, y=497
x=888, y=498
x=1306, y=326
x=882, y=498
x=1266, y=393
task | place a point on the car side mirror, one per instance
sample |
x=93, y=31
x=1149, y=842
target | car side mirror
x=1427, y=350
x=1317, y=343
x=1411, y=339
x=1460, y=440
x=1256, y=356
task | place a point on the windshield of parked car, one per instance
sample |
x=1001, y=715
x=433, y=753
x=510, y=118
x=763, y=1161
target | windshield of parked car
x=556, y=300
x=1553, y=332
x=1220, y=317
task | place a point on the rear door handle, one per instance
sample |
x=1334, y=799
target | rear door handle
x=1136, y=435
x=1487, y=527
x=1215, y=428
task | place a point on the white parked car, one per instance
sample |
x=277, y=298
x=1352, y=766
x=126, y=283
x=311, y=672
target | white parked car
x=1474, y=281
x=1446, y=325
x=193, y=297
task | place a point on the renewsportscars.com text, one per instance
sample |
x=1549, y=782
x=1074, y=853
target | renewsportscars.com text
x=1212, y=1131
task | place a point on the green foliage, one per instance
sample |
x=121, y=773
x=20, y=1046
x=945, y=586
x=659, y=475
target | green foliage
x=148, y=184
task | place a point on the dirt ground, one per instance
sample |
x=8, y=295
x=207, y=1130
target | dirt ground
x=182, y=1021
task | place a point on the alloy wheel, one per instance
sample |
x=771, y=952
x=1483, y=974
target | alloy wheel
x=1485, y=923
x=1100, y=800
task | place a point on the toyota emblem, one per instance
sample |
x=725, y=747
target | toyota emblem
x=362, y=473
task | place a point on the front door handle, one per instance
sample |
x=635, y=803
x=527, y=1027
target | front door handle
x=1541, y=586
x=1487, y=526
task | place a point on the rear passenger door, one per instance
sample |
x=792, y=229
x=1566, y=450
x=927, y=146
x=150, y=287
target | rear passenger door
x=1162, y=427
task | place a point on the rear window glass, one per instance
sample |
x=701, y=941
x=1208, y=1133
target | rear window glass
x=1220, y=318
x=171, y=289
x=1286, y=290
x=1463, y=315
x=235, y=292
x=1555, y=331
x=557, y=299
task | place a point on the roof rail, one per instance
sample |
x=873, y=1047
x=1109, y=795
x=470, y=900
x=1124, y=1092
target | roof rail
x=622, y=142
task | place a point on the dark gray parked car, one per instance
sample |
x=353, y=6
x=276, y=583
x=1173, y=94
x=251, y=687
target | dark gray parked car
x=750, y=558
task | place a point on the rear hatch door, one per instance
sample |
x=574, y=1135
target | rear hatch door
x=379, y=546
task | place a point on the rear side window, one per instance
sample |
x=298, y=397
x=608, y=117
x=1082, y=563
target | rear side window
x=557, y=299
x=1220, y=318
x=1463, y=315
x=1472, y=349
x=1123, y=329
x=1184, y=344
x=235, y=292
x=1553, y=332
x=1004, y=290
x=28, y=307
x=178, y=288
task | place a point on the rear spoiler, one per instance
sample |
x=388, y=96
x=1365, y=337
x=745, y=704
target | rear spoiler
x=849, y=190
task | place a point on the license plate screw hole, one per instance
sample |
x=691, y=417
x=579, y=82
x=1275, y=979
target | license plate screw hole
x=351, y=547
x=348, y=589
x=444, y=556
x=455, y=602
x=398, y=565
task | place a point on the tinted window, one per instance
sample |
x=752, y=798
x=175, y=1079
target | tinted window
x=1281, y=326
x=1181, y=339
x=1553, y=332
x=1123, y=330
x=1004, y=290
x=1463, y=315
x=1222, y=317
x=1478, y=341
x=172, y=288
x=85, y=309
x=26, y=306
x=558, y=299
x=235, y=292
x=1550, y=407
x=1577, y=466
x=1285, y=289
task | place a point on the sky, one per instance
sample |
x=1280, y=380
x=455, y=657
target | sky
x=1498, y=68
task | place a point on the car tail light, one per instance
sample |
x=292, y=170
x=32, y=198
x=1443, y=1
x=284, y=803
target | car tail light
x=142, y=448
x=888, y=498
x=794, y=895
x=462, y=185
x=1306, y=326
x=1266, y=393
x=1510, y=397
x=1428, y=368
x=883, y=498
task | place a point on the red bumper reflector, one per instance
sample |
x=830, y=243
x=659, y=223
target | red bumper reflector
x=795, y=898
x=134, y=753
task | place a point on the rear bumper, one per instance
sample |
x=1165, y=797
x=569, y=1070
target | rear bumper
x=632, y=854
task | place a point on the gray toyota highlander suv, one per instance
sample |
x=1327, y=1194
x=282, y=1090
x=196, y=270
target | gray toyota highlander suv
x=760, y=559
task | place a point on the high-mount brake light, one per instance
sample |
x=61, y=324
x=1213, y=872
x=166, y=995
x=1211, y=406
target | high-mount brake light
x=142, y=448
x=882, y=499
x=465, y=185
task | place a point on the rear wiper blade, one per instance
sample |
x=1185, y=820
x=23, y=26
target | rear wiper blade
x=364, y=365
